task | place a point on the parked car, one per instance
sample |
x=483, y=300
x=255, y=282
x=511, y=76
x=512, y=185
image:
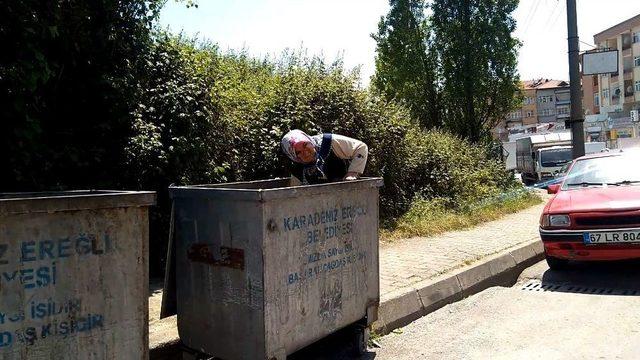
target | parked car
x=595, y=213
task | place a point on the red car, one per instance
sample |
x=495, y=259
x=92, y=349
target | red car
x=595, y=213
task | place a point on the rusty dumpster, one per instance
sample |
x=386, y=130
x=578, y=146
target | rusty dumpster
x=266, y=268
x=74, y=275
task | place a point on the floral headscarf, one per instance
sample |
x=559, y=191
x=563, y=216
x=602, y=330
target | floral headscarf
x=293, y=139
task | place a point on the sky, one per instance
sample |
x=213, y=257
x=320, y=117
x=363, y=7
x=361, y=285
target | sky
x=343, y=28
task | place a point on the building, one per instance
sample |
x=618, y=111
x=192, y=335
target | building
x=611, y=100
x=545, y=105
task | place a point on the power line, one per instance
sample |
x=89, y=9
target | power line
x=593, y=46
x=528, y=19
x=555, y=20
x=553, y=12
x=533, y=14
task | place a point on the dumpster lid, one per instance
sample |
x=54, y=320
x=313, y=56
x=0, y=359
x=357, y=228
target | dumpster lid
x=53, y=201
x=268, y=189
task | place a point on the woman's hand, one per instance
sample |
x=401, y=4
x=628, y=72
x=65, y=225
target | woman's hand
x=351, y=176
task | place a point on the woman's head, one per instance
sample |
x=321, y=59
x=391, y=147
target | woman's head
x=299, y=147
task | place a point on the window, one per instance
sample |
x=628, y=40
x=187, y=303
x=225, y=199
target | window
x=547, y=112
x=636, y=37
x=514, y=115
x=636, y=61
x=596, y=99
x=545, y=99
x=563, y=110
x=605, y=93
x=529, y=113
x=637, y=86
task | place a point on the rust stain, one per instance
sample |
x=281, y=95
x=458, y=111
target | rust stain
x=227, y=257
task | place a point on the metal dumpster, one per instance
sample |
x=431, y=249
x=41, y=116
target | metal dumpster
x=265, y=268
x=74, y=275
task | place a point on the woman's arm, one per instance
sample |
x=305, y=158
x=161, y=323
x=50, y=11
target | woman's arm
x=351, y=149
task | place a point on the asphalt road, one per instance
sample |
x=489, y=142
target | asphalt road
x=591, y=311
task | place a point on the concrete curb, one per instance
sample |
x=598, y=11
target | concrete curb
x=401, y=307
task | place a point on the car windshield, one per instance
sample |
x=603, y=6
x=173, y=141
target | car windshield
x=555, y=157
x=610, y=170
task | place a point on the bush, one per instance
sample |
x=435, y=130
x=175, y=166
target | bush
x=441, y=165
x=208, y=117
x=69, y=74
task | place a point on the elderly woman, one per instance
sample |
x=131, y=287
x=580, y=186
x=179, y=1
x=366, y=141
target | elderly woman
x=324, y=158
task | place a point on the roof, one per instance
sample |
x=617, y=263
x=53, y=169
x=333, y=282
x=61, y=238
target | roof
x=617, y=29
x=544, y=84
x=551, y=137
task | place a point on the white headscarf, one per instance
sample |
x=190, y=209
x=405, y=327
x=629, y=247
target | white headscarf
x=292, y=138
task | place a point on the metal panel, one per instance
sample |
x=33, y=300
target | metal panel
x=326, y=273
x=219, y=283
x=74, y=284
x=259, y=279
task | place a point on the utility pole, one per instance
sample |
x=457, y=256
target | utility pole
x=577, y=117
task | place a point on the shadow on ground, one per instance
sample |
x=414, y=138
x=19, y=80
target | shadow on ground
x=340, y=345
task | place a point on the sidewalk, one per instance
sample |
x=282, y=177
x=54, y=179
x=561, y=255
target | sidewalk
x=412, y=265
x=409, y=261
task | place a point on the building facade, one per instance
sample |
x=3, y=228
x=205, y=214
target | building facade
x=612, y=101
x=545, y=105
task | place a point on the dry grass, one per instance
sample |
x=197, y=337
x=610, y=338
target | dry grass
x=428, y=218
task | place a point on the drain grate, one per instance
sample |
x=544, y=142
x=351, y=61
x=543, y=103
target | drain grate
x=537, y=285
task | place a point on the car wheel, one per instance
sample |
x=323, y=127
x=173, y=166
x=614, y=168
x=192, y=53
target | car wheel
x=557, y=264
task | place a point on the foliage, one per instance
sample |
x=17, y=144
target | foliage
x=95, y=99
x=405, y=62
x=208, y=116
x=178, y=136
x=447, y=167
x=68, y=79
x=428, y=217
x=478, y=60
x=456, y=67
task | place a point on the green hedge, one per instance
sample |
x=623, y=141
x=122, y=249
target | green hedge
x=207, y=116
x=191, y=114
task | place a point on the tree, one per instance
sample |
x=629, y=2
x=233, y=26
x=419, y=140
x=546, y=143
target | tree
x=405, y=63
x=478, y=59
x=68, y=84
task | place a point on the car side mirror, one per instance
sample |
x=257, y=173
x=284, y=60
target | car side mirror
x=553, y=188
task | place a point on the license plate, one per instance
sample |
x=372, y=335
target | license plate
x=612, y=237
